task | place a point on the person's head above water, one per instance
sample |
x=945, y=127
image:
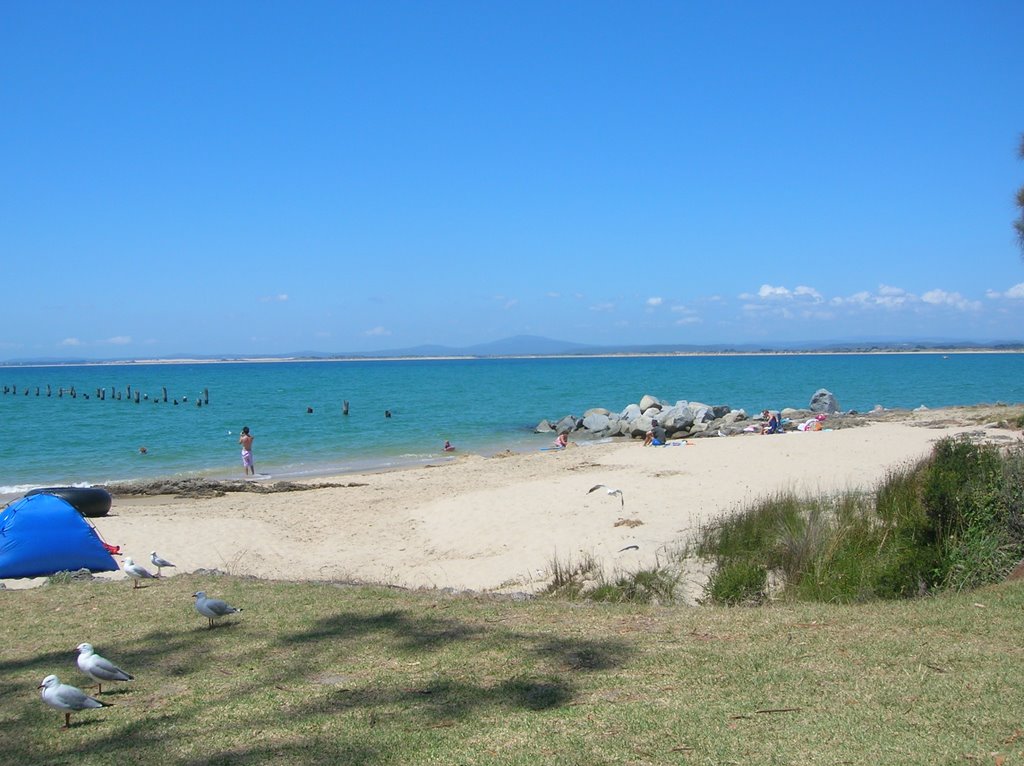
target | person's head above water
x=245, y=429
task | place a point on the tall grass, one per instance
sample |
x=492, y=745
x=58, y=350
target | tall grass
x=954, y=520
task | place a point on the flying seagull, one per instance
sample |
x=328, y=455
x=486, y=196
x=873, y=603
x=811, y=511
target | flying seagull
x=212, y=608
x=99, y=668
x=610, y=491
x=158, y=562
x=67, y=699
x=136, y=572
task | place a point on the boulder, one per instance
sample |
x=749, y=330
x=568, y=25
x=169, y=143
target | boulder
x=568, y=423
x=596, y=423
x=595, y=411
x=640, y=426
x=632, y=412
x=733, y=415
x=824, y=401
x=701, y=412
x=649, y=402
x=543, y=427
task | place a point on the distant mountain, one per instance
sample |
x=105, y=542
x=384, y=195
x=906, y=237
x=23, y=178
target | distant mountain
x=535, y=345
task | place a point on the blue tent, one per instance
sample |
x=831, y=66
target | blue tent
x=44, y=534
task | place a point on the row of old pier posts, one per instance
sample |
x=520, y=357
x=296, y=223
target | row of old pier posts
x=135, y=395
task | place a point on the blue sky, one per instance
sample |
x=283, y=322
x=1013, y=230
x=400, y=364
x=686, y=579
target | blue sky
x=275, y=177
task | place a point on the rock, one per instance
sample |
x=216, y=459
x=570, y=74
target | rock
x=568, y=423
x=720, y=411
x=640, y=426
x=543, y=427
x=824, y=401
x=701, y=412
x=596, y=423
x=733, y=415
x=596, y=411
x=676, y=418
x=649, y=402
x=632, y=412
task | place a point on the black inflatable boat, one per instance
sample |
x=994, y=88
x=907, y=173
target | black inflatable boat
x=88, y=501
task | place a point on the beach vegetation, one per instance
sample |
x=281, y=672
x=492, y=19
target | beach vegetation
x=586, y=578
x=954, y=520
x=736, y=582
x=321, y=673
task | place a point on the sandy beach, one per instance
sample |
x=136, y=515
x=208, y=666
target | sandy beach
x=496, y=524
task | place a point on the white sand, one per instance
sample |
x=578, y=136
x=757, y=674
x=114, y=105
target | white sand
x=496, y=524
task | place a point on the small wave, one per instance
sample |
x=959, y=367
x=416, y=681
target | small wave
x=15, y=489
x=21, y=489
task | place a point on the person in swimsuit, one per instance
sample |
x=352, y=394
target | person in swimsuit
x=562, y=440
x=246, y=441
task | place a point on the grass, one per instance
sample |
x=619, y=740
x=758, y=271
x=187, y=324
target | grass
x=314, y=673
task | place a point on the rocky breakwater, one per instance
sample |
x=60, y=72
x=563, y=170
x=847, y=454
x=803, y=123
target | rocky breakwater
x=681, y=420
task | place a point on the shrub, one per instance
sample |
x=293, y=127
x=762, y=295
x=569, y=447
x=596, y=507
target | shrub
x=738, y=582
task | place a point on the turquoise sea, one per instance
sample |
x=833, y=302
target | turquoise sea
x=482, y=405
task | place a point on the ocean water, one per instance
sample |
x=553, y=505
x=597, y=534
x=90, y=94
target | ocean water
x=482, y=405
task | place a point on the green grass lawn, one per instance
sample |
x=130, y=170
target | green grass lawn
x=315, y=673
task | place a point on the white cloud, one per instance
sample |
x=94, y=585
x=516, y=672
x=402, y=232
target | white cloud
x=889, y=290
x=767, y=291
x=71, y=342
x=553, y=294
x=603, y=307
x=1014, y=293
x=511, y=303
x=956, y=300
x=654, y=301
x=802, y=291
x=280, y=298
x=688, y=320
x=378, y=331
x=119, y=340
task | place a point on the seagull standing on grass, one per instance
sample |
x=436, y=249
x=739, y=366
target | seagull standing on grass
x=610, y=491
x=98, y=668
x=137, y=572
x=67, y=699
x=212, y=608
x=158, y=562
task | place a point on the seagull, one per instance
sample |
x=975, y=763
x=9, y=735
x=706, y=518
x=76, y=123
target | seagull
x=66, y=698
x=158, y=562
x=212, y=608
x=98, y=668
x=610, y=491
x=136, y=572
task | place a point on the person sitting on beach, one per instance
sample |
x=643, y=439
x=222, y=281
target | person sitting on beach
x=656, y=437
x=771, y=425
x=448, y=446
x=562, y=440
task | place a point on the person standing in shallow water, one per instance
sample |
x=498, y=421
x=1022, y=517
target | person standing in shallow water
x=246, y=441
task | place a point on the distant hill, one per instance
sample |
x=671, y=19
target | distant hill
x=536, y=345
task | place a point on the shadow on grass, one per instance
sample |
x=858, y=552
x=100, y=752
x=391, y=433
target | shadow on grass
x=413, y=633
x=582, y=654
x=447, y=699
